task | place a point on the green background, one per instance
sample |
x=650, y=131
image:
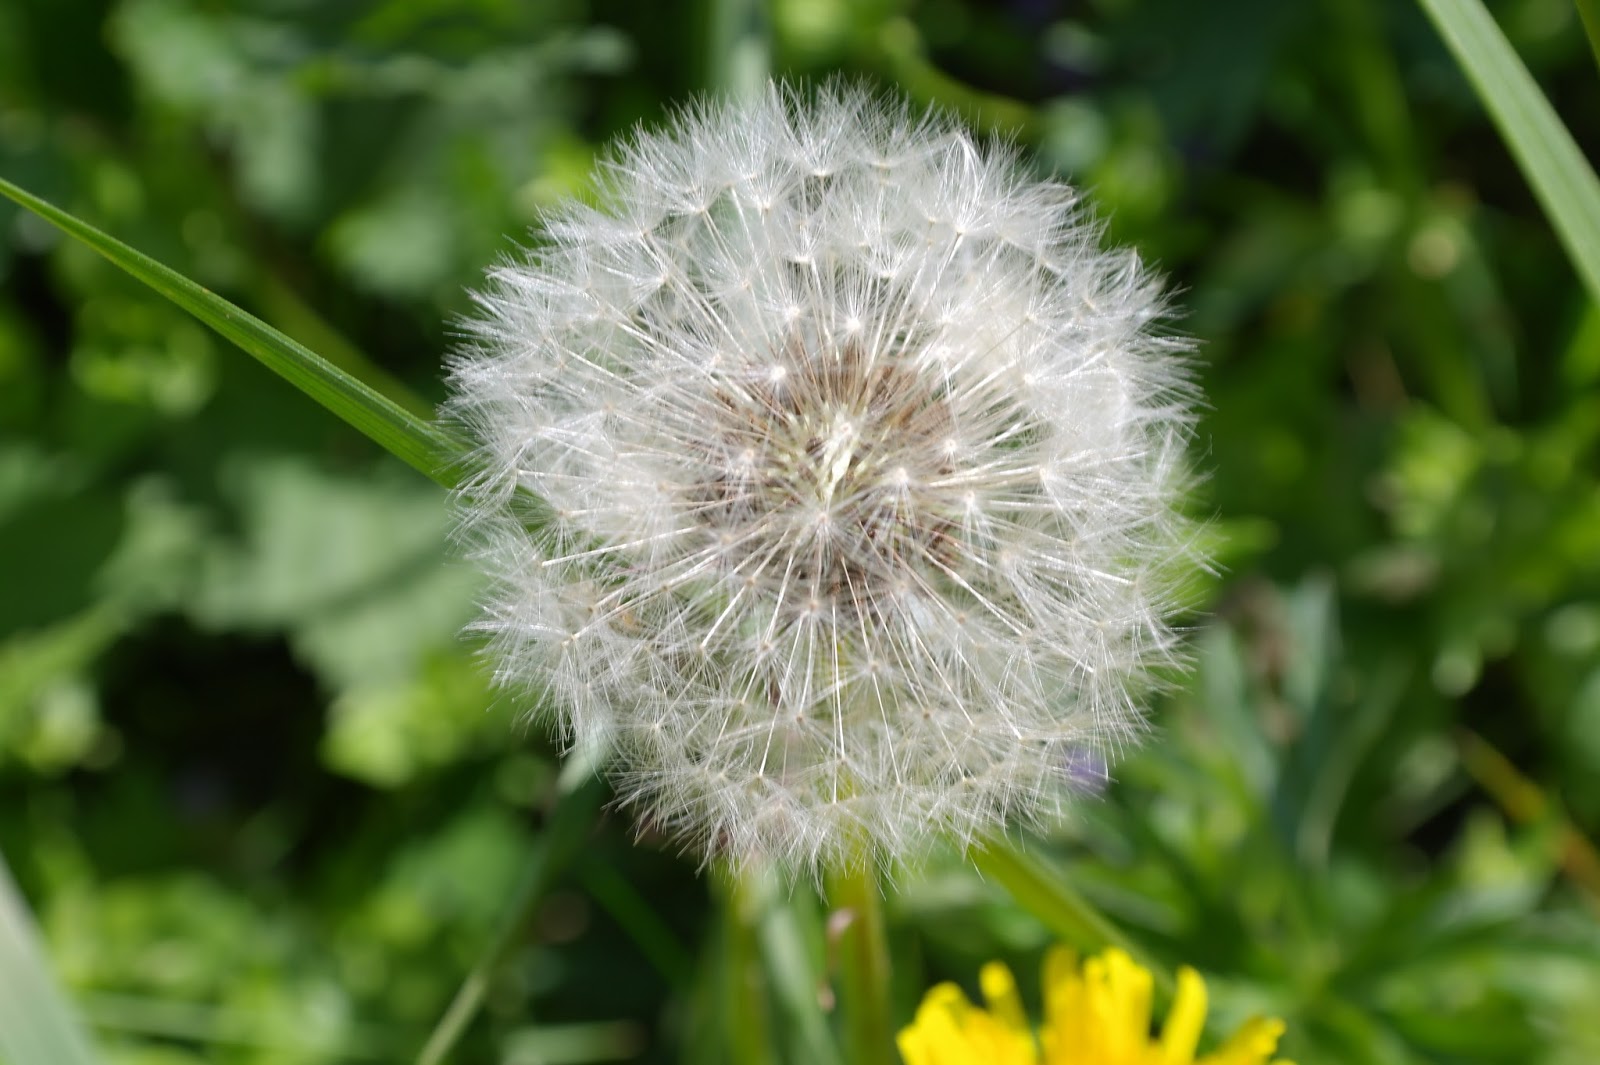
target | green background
x=256, y=788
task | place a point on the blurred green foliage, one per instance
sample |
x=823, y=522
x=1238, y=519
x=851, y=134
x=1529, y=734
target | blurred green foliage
x=268, y=807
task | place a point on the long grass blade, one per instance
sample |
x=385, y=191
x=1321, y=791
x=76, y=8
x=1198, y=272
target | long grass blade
x=416, y=441
x=1562, y=179
x=1589, y=12
x=563, y=834
x=1046, y=893
x=37, y=1026
x=784, y=930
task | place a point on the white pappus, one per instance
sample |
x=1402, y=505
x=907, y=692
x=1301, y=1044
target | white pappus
x=829, y=476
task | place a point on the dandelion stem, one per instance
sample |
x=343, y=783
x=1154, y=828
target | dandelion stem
x=1048, y=895
x=857, y=897
x=738, y=51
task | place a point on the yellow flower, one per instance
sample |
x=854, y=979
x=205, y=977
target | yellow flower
x=1097, y=1014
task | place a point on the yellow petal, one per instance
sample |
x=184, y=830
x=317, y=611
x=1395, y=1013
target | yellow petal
x=949, y=1030
x=1000, y=992
x=1065, y=1015
x=1127, y=1022
x=1060, y=970
x=1252, y=1044
x=1097, y=1012
x=1180, y=1035
x=934, y=1034
x=917, y=1046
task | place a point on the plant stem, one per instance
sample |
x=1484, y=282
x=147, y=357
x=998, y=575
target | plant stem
x=572, y=815
x=864, y=964
x=1525, y=803
x=739, y=59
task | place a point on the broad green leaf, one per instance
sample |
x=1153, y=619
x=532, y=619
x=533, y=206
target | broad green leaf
x=424, y=446
x=146, y=947
x=1550, y=159
x=37, y=1026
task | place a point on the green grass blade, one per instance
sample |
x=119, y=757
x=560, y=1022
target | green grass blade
x=1589, y=12
x=1562, y=179
x=416, y=441
x=1046, y=893
x=633, y=913
x=37, y=1027
x=795, y=977
x=563, y=836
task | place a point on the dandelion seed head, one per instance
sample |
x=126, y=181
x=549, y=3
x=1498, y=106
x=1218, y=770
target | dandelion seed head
x=828, y=475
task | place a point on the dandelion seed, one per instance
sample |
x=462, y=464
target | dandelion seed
x=856, y=464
